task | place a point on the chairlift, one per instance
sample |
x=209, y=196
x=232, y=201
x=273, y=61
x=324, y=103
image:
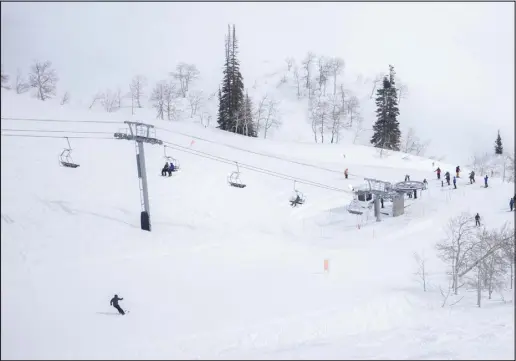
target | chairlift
x=170, y=159
x=65, y=158
x=234, y=179
x=298, y=198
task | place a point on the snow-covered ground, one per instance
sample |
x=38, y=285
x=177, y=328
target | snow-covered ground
x=226, y=273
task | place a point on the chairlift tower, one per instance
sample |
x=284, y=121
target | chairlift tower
x=141, y=133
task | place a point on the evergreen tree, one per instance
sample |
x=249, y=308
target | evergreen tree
x=233, y=107
x=386, y=128
x=224, y=115
x=498, y=144
x=245, y=119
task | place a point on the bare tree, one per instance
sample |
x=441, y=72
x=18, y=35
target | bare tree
x=298, y=81
x=480, y=162
x=194, y=100
x=137, y=85
x=412, y=144
x=290, y=61
x=324, y=70
x=319, y=116
x=402, y=91
x=96, y=97
x=158, y=99
x=21, y=85
x=457, y=248
x=5, y=80
x=65, y=99
x=185, y=74
x=421, y=271
x=110, y=101
x=377, y=80
x=205, y=119
x=358, y=128
x=336, y=65
x=336, y=116
x=44, y=79
x=307, y=66
x=260, y=112
x=271, y=117
x=353, y=108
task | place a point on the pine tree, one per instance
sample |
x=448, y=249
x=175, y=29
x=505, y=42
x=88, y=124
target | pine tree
x=498, y=144
x=386, y=128
x=224, y=115
x=232, y=103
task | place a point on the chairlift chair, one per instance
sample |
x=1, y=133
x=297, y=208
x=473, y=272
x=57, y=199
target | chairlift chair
x=65, y=158
x=172, y=160
x=234, y=179
x=298, y=198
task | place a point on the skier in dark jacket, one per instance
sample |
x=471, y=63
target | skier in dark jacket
x=454, y=182
x=447, y=176
x=472, y=177
x=511, y=203
x=485, y=180
x=477, y=220
x=164, y=170
x=114, y=303
x=457, y=170
x=438, y=170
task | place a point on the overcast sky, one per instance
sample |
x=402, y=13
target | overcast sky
x=456, y=58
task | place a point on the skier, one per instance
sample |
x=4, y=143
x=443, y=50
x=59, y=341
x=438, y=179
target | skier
x=477, y=220
x=485, y=181
x=511, y=203
x=457, y=170
x=447, y=176
x=438, y=170
x=454, y=182
x=346, y=173
x=170, y=169
x=381, y=202
x=114, y=303
x=425, y=184
x=164, y=170
x=407, y=178
x=472, y=177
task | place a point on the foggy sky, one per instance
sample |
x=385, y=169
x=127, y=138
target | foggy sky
x=456, y=58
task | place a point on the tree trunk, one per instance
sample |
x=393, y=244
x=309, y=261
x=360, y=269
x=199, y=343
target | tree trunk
x=479, y=289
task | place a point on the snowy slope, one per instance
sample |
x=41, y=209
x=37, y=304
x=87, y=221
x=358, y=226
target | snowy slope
x=226, y=272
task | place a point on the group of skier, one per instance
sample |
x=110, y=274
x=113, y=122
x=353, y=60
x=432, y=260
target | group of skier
x=447, y=177
x=168, y=168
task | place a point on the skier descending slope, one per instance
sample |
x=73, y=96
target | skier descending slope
x=114, y=303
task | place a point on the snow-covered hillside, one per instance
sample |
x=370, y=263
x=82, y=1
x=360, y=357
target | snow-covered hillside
x=226, y=273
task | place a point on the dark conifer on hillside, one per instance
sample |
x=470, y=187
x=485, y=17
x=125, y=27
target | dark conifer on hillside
x=386, y=128
x=498, y=144
x=234, y=115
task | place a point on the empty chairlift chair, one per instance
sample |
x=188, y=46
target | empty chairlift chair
x=65, y=158
x=234, y=179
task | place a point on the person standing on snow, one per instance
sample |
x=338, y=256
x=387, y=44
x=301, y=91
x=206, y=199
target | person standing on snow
x=477, y=220
x=114, y=303
x=472, y=177
x=438, y=170
x=454, y=182
x=346, y=173
x=485, y=181
x=457, y=170
x=447, y=176
x=511, y=203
